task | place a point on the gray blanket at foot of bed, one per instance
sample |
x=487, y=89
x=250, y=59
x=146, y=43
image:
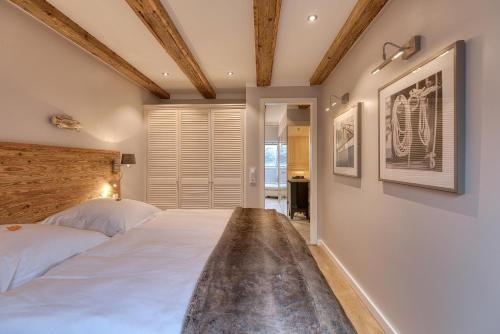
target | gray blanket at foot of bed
x=261, y=278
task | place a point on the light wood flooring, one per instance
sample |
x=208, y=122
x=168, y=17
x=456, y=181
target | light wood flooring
x=361, y=318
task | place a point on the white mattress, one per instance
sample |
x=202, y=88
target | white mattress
x=138, y=282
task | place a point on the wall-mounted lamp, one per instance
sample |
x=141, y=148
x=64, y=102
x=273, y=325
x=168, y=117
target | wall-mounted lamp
x=106, y=191
x=405, y=52
x=335, y=101
x=128, y=159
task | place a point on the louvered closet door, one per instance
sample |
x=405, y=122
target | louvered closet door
x=162, y=169
x=194, y=159
x=227, y=158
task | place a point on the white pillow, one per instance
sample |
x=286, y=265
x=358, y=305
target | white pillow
x=33, y=249
x=104, y=215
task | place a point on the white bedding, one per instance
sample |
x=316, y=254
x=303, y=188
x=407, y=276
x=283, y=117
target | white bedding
x=137, y=282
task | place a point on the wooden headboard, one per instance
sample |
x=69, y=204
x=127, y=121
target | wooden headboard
x=37, y=181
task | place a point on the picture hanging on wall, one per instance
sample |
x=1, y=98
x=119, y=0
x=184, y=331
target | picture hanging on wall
x=421, y=124
x=347, y=142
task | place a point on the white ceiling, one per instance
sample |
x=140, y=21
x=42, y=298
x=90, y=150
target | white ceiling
x=220, y=35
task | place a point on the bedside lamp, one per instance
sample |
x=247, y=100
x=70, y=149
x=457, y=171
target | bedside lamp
x=128, y=159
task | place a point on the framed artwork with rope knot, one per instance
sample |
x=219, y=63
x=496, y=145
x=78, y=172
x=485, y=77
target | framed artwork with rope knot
x=421, y=124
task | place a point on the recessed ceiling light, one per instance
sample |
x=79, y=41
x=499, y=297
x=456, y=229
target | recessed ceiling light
x=312, y=18
x=166, y=74
x=230, y=74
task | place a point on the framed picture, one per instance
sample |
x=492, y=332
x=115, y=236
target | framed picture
x=347, y=142
x=421, y=123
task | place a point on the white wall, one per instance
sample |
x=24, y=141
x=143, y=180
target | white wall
x=42, y=74
x=428, y=259
x=254, y=128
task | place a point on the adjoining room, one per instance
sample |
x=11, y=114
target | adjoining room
x=287, y=162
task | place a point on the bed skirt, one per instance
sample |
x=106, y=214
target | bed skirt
x=261, y=278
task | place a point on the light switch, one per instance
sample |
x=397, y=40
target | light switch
x=252, y=179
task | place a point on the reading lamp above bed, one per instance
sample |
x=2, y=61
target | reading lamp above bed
x=127, y=159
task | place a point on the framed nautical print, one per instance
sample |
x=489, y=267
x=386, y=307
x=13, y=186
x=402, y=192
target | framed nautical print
x=347, y=142
x=421, y=124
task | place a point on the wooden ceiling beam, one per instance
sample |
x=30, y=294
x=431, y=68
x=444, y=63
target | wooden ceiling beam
x=266, y=15
x=155, y=17
x=55, y=19
x=360, y=18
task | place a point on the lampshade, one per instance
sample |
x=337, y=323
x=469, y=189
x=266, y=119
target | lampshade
x=128, y=159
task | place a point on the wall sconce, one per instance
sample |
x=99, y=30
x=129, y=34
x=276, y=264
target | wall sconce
x=335, y=101
x=405, y=52
x=126, y=159
x=106, y=191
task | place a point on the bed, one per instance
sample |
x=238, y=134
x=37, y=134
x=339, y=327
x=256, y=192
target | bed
x=182, y=271
x=138, y=282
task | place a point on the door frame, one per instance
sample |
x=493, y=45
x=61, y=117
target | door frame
x=313, y=156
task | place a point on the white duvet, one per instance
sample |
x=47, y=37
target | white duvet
x=138, y=282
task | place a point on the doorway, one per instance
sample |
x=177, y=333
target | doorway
x=289, y=150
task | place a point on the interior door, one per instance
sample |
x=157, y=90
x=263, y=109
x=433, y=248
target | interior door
x=194, y=164
x=162, y=158
x=227, y=158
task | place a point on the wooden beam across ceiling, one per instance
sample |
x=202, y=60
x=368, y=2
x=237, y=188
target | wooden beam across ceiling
x=266, y=15
x=155, y=17
x=360, y=18
x=55, y=19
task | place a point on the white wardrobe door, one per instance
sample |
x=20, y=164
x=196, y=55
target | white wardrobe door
x=194, y=158
x=227, y=158
x=162, y=167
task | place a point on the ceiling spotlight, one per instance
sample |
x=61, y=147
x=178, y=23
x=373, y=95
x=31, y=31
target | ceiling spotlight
x=230, y=74
x=407, y=50
x=312, y=18
x=327, y=109
x=166, y=74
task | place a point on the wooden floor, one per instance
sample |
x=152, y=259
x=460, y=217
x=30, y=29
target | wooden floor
x=358, y=313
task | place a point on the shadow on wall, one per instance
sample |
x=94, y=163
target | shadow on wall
x=348, y=181
x=466, y=204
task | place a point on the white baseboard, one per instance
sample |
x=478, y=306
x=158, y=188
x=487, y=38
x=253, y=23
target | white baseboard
x=382, y=320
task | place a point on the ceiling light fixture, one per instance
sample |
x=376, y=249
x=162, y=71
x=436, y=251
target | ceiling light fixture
x=166, y=74
x=312, y=18
x=405, y=51
x=230, y=74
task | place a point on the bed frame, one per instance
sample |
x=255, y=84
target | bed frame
x=37, y=181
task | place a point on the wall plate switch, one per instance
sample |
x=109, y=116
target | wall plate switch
x=252, y=179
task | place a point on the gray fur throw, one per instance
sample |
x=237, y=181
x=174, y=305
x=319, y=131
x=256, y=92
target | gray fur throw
x=261, y=278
